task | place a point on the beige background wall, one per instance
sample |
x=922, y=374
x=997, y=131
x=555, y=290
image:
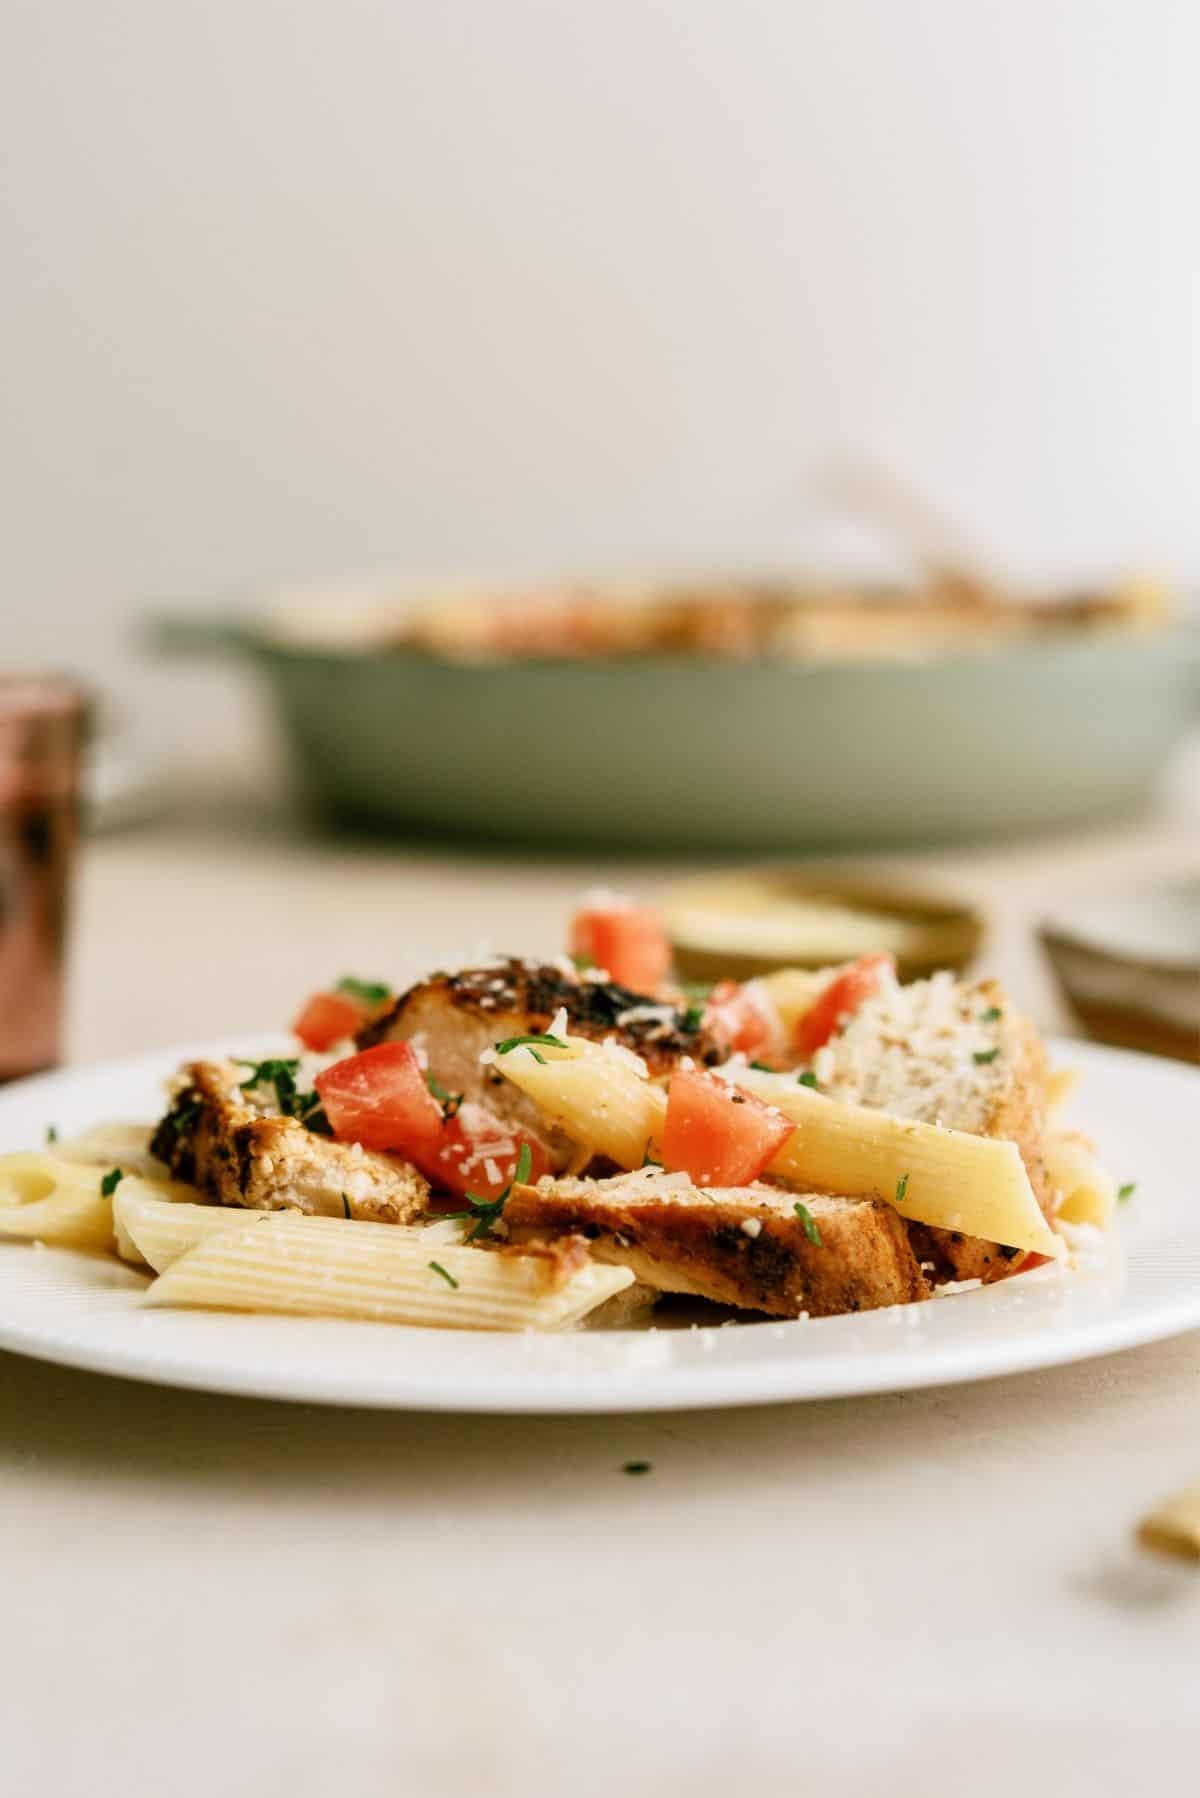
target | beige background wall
x=295, y=288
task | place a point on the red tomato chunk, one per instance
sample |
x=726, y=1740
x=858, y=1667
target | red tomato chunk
x=329, y=1018
x=737, y=1017
x=718, y=1134
x=380, y=1099
x=478, y=1154
x=627, y=941
x=840, y=1000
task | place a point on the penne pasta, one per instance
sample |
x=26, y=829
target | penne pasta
x=1060, y=1084
x=596, y=1094
x=973, y=1184
x=154, y=1232
x=794, y=992
x=122, y=1145
x=49, y=1198
x=1087, y=1191
x=381, y=1273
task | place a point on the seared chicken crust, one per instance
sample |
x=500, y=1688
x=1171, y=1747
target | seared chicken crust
x=218, y=1138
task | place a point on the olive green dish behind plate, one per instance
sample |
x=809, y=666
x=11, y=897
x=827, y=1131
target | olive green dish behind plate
x=670, y=753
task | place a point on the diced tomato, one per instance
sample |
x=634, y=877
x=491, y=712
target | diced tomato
x=628, y=941
x=1029, y=1260
x=717, y=1133
x=380, y=1099
x=840, y=1000
x=740, y=1017
x=478, y=1153
x=329, y=1018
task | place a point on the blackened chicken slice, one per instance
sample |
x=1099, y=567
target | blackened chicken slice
x=451, y=1019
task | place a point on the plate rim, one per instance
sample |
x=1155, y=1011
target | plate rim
x=891, y=1367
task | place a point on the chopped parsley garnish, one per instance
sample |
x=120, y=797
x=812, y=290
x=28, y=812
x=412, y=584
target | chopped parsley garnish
x=648, y=1159
x=345, y=1206
x=526, y=1042
x=51, y=1134
x=184, y=1116
x=808, y=1078
x=901, y=1188
x=992, y=1015
x=693, y=1018
x=280, y=1072
x=637, y=1467
x=809, y=1221
x=983, y=1056
x=1127, y=1191
x=367, y=992
x=487, y=1212
x=447, y=1277
x=763, y=1068
x=111, y=1181
x=450, y=1103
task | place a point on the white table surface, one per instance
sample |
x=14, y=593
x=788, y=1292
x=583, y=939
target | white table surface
x=934, y=1592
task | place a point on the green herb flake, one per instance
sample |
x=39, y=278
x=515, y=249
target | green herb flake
x=487, y=1212
x=808, y=1078
x=526, y=1042
x=51, y=1134
x=111, y=1181
x=983, y=1056
x=762, y=1068
x=280, y=1072
x=184, y=1116
x=1127, y=1191
x=648, y=1159
x=446, y=1276
x=451, y=1103
x=901, y=1188
x=367, y=992
x=345, y=1206
x=992, y=1015
x=693, y=1018
x=809, y=1221
x=638, y=1467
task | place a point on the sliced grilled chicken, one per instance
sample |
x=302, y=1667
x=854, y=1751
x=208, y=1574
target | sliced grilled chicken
x=453, y=1018
x=746, y=1246
x=940, y=1051
x=240, y=1150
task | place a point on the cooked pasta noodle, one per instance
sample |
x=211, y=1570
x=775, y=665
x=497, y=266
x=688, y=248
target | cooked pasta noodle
x=1087, y=1191
x=974, y=1184
x=48, y=1198
x=380, y=1272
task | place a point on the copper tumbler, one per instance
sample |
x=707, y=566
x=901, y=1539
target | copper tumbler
x=41, y=735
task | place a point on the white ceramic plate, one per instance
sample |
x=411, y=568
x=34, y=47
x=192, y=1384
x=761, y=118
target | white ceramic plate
x=86, y=1311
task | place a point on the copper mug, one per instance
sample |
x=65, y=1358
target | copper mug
x=42, y=725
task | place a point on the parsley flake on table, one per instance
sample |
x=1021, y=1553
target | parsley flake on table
x=1127, y=1191
x=111, y=1181
x=809, y=1221
x=981, y=1057
x=51, y=1134
x=488, y=1212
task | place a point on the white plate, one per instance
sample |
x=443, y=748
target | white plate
x=1145, y=1113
